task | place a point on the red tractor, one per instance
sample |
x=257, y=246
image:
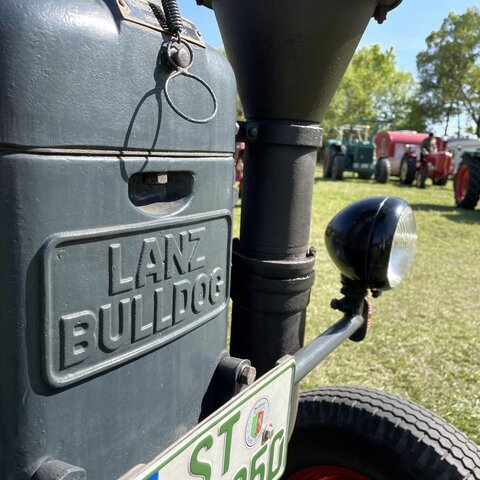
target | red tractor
x=437, y=166
x=401, y=152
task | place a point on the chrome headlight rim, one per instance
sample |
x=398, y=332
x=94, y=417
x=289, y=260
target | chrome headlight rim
x=381, y=245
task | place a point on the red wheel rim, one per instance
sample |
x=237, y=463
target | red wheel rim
x=461, y=187
x=326, y=472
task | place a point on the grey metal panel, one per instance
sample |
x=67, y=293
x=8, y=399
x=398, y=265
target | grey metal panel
x=76, y=74
x=110, y=420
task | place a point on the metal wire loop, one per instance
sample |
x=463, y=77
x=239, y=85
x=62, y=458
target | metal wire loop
x=186, y=73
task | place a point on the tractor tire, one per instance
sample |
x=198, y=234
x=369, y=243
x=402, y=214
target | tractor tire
x=330, y=152
x=382, y=170
x=351, y=433
x=466, y=184
x=338, y=166
x=408, y=166
x=327, y=167
x=421, y=178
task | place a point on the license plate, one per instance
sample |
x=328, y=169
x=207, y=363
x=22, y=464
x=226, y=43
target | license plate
x=246, y=439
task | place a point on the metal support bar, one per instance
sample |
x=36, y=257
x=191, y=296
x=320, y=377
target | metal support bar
x=310, y=356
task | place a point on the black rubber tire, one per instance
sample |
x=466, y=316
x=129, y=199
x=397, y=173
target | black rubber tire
x=382, y=170
x=421, y=178
x=473, y=192
x=327, y=169
x=331, y=151
x=378, y=435
x=408, y=166
x=338, y=166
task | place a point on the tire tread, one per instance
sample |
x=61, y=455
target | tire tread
x=430, y=439
x=473, y=193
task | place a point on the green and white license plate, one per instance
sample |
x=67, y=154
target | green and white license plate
x=246, y=439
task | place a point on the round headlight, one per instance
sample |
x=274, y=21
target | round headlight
x=373, y=241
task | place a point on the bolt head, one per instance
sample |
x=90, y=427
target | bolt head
x=247, y=375
x=252, y=132
x=268, y=432
x=182, y=57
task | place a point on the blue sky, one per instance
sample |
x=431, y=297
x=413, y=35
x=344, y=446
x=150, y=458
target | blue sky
x=406, y=28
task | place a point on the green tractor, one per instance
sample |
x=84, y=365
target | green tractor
x=353, y=151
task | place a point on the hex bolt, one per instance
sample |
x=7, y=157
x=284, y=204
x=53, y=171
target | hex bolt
x=268, y=432
x=247, y=375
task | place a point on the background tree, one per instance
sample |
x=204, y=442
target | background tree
x=415, y=117
x=373, y=87
x=449, y=70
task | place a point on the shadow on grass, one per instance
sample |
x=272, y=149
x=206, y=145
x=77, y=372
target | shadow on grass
x=344, y=179
x=454, y=214
x=468, y=216
x=431, y=207
x=398, y=184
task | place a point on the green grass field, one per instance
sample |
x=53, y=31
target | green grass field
x=425, y=339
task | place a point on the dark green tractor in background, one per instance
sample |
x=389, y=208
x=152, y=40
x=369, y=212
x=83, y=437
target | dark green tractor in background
x=354, y=151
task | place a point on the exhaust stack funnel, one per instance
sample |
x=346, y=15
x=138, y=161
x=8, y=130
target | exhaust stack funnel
x=290, y=55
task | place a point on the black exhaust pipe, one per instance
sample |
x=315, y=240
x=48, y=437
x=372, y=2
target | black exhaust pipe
x=288, y=57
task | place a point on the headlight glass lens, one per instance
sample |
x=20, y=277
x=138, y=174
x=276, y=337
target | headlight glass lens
x=403, y=248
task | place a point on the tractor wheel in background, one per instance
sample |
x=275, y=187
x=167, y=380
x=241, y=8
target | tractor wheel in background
x=338, y=166
x=440, y=182
x=421, y=178
x=351, y=433
x=330, y=152
x=365, y=175
x=382, y=170
x=466, y=184
x=327, y=166
x=408, y=166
